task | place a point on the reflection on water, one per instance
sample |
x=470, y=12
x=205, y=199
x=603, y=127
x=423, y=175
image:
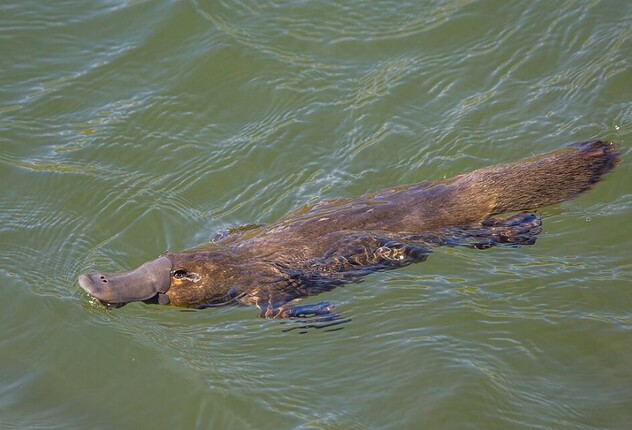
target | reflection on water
x=129, y=128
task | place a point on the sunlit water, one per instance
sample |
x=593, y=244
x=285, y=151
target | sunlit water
x=129, y=128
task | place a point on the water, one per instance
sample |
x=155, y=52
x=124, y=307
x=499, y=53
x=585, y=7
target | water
x=129, y=128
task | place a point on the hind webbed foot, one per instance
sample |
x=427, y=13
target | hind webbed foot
x=517, y=230
x=309, y=311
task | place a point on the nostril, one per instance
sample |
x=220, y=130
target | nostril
x=103, y=279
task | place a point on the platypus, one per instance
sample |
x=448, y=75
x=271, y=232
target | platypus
x=334, y=242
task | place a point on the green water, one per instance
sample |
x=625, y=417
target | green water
x=131, y=127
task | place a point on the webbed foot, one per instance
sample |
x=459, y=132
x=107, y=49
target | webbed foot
x=517, y=230
x=303, y=317
x=286, y=311
x=307, y=311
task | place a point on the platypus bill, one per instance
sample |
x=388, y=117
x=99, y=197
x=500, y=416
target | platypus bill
x=320, y=247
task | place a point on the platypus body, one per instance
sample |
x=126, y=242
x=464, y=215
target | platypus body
x=338, y=241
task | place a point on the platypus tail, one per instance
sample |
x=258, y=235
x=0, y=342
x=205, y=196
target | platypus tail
x=543, y=180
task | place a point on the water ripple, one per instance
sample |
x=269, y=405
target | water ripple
x=131, y=127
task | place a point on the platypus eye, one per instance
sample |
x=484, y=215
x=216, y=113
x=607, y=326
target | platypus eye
x=184, y=275
x=179, y=274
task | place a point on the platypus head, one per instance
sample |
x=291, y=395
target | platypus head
x=187, y=279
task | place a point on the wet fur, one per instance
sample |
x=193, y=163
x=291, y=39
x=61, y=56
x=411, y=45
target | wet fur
x=334, y=242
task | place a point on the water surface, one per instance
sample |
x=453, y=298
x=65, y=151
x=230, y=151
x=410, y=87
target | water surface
x=130, y=128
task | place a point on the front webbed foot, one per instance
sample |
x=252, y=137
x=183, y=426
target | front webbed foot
x=223, y=234
x=308, y=311
x=303, y=317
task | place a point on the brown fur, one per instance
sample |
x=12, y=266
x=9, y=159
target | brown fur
x=319, y=247
x=325, y=245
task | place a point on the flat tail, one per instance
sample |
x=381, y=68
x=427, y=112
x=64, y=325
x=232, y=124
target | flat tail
x=546, y=179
